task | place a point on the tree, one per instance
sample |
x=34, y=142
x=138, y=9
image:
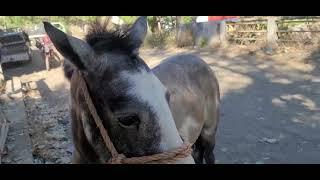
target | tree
x=128, y=19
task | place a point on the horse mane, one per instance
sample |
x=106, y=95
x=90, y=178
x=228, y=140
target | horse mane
x=102, y=39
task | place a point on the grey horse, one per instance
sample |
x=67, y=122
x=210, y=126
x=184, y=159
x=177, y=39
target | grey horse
x=146, y=111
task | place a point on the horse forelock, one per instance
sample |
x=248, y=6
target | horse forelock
x=103, y=39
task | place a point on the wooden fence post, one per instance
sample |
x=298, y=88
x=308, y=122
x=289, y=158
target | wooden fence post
x=223, y=33
x=272, y=29
x=1, y=74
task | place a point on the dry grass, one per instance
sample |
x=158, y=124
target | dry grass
x=2, y=86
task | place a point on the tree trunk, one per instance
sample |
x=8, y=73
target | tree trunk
x=1, y=73
x=159, y=25
x=178, y=20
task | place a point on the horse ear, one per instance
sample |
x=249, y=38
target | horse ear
x=138, y=32
x=75, y=50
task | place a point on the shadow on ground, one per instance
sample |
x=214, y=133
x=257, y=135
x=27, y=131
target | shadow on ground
x=270, y=105
x=36, y=64
x=270, y=111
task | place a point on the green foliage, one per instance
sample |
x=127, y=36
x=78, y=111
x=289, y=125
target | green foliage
x=160, y=37
x=129, y=19
x=187, y=19
x=169, y=23
x=171, y=38
x=21, y=21
x=155, y=40
x=160, y=40
x=152, y=22
x=203, y=42
x=163, y=28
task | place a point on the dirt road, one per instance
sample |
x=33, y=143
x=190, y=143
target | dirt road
x=270, y=106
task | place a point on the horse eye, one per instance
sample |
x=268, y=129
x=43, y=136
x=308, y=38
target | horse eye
x=127, y=121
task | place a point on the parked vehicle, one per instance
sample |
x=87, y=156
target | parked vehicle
x=14, y=46
x=37, y=32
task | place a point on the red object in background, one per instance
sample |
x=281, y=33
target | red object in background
x=220, y=18
x=46, y=40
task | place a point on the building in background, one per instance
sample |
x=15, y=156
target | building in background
x=210, y=29
x=201, y=19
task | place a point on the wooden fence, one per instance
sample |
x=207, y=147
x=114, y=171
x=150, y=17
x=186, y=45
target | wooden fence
x=273, y=31
x=266, y=31
x=246, y=32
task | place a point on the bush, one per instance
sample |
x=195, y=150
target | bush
x=2, y=86
x=187, y=19
x=171, y=39
x=20, y=21
x=203, y=42
x=157, y=40
x=129, y=19
x=185, y=36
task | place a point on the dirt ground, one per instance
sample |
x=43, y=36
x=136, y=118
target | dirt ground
x=270, y=105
